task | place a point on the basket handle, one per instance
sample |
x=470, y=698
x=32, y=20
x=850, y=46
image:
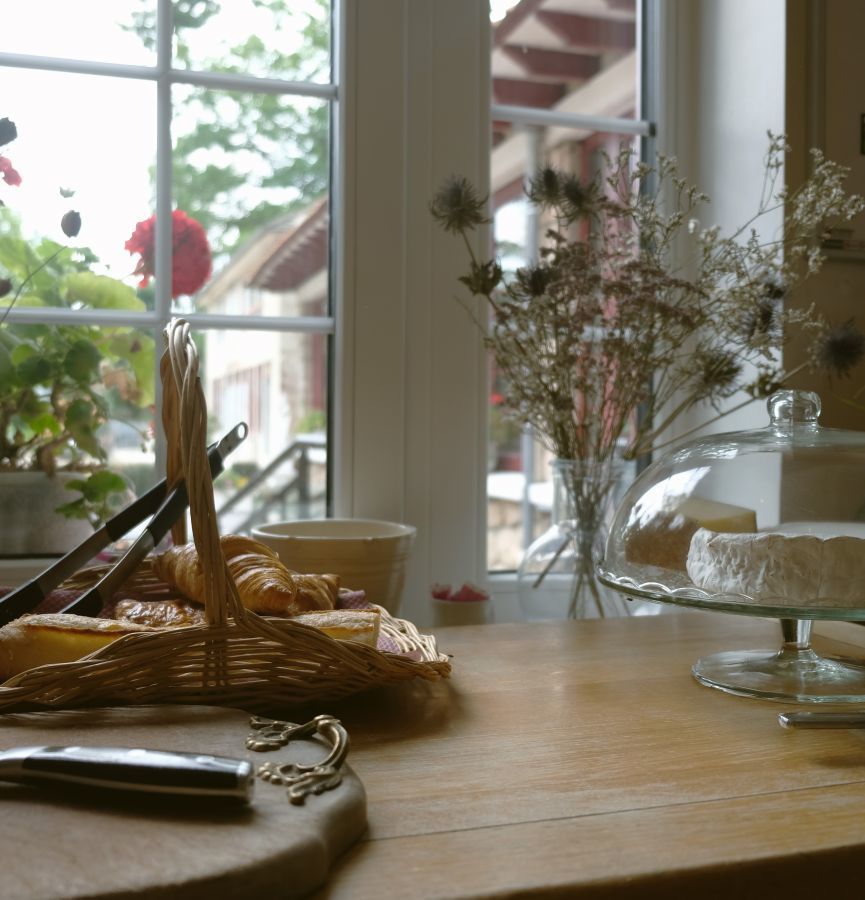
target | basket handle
x=185, y=422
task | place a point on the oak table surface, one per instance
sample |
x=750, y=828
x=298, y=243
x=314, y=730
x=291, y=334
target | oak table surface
x=581, y=759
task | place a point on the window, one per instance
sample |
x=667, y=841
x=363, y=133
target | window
x=565, y=89
x=358, y=290
x=220, y=110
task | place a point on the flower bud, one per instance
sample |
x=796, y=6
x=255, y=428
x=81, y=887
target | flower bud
x=71, y=223
x=5, y=286
x=8, y=131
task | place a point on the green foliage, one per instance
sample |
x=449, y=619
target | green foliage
x=248, y=158
x=59, y=384
x=102, y=494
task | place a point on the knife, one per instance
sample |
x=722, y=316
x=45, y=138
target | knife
x=33, y=592
x=131, y=769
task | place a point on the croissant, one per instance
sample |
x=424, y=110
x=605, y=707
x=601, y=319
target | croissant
x=263, y=583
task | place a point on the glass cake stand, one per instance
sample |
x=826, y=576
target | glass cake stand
x=795, y=672
x=746, y=522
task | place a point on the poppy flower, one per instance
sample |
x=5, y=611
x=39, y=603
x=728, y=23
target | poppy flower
x=191, y=258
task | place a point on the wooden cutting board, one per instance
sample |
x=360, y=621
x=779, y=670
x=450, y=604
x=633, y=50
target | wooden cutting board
x=57, y=844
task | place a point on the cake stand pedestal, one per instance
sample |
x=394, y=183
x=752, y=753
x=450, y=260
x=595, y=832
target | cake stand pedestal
x=794, y=673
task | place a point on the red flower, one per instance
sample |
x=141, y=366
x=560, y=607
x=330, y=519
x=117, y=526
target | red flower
x=10, y=175
x=191, y=260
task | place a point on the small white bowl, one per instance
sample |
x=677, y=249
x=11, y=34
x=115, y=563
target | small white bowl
x=367, y=554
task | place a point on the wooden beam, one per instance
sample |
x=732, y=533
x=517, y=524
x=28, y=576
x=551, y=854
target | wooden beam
x=516, y=15
x=554, y=63
x=589, y=34
x=514, y=92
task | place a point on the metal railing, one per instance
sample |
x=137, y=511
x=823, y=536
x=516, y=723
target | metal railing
x=297, y=487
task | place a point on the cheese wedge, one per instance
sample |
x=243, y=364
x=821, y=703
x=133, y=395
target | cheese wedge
x=718, y=516
x=664, y=540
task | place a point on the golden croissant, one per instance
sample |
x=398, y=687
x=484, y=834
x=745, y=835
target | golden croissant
x=263, y=583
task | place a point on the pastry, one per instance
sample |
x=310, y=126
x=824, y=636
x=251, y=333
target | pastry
x=361, y=625
x=37, y=640
x=159, y=613
x=663, y=537
x=790, y=566
x=263, y=583
x=341, y=624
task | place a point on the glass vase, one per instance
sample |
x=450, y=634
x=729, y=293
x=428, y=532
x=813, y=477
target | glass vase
x=556, y=577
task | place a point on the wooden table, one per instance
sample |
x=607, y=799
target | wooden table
x=582, y=760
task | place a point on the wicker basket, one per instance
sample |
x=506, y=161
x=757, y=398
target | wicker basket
x=238, y=658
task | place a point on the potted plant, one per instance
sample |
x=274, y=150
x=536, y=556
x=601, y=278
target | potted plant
x=60, y=385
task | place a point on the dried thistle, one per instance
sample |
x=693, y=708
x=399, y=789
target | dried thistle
x=839, y=348
x=457, y=207
x=613, y=322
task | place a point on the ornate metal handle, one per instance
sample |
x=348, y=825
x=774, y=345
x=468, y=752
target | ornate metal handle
x=301, y=780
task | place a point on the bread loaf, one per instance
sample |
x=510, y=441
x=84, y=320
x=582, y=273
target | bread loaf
x=264, y=584
x=37, y=640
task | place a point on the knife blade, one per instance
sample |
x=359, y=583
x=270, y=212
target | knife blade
x=131, y=769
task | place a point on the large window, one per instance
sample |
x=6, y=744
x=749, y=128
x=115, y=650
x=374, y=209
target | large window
x=176, y=130
x=331, y=301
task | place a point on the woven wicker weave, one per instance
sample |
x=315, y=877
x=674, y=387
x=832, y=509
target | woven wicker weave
x=238, y=658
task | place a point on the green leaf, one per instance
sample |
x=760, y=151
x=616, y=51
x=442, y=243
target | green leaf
x=45, y=421
x=34, y=370
x=101, y=292
x=7, y=367
x=82, y=362
x=77, y=509
x=22, y=352
x=80, y=422
x=102, y=483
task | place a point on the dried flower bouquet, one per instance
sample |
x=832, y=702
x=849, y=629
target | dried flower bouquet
x=635, y=314
x=616, y=333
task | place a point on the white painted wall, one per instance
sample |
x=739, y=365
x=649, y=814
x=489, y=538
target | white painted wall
x=726, y=87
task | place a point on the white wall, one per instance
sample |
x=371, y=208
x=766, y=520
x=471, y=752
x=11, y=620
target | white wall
x=726, y=88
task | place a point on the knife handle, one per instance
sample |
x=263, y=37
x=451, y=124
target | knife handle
x=131, y=769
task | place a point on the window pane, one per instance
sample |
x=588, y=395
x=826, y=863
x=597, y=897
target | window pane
x=92, y=157
x=277, y=384
x=253, y=169
x=117, y=31
x=519, y=480
x=578, y=56
x=267, y=38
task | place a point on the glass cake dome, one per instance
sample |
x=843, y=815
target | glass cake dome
x=769, y=522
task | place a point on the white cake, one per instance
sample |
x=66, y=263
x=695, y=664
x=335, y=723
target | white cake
x=798, y=564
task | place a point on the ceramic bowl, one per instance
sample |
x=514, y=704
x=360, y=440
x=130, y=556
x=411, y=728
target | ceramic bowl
x=367, y=554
